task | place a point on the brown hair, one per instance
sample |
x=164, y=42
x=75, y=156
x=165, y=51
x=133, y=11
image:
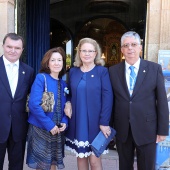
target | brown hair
x=45, y=61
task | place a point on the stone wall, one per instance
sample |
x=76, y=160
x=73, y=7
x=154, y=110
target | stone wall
x=158, y=28
x=6, y=19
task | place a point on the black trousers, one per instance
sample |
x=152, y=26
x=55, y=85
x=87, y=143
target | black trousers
x=15, y=151
x=145, y=154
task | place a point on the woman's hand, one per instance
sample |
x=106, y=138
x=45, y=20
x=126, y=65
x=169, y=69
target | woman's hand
x=68, y=109
x=106, y=130
x=55, y=130
x=63, y=127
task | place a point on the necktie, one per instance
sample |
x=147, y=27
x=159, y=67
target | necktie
x=132, y=79
x=11, y=78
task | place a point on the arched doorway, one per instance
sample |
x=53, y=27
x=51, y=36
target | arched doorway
x=61, y=36
x=107, y=32
x=89, y=18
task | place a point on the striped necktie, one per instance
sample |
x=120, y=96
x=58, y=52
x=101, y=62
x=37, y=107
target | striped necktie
x=132, y=79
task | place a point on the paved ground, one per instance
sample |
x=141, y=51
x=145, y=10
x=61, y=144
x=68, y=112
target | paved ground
x=109, y=161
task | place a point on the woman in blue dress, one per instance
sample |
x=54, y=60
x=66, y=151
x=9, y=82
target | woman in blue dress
x=91, y=101
x=45, y=148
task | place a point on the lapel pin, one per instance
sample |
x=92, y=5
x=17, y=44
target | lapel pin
x=144, y=71
x=92, y=75
x=23, y=72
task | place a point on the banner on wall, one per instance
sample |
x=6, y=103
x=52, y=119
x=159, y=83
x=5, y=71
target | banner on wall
x=163, y=148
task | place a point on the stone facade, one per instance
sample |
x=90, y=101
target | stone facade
x=158, y=28
x=7, y=23
x=157, y=25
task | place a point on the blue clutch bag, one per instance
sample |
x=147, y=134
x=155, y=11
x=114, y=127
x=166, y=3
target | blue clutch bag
x=100, y=142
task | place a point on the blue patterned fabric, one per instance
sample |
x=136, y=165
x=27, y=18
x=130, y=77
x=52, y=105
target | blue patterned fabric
x=42, y=149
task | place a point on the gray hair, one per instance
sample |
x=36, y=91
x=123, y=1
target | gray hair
x=130, y=34
x=98, y=60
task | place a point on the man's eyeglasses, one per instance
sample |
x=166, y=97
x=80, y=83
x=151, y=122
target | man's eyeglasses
x=89, y=51
x=128, y=45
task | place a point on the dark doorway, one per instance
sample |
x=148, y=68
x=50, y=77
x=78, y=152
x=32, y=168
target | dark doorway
x=105, y=21
x=60, y=36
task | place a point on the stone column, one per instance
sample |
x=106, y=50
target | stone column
x=6, y=19
x=165, y=26
x=157, y=28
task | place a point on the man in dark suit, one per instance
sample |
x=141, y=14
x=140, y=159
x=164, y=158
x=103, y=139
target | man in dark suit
x=140, y=111
x=15, y=82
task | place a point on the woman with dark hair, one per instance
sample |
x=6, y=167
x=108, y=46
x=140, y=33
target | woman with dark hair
x=45, y=136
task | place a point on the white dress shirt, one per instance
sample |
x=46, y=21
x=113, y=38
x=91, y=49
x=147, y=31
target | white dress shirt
x=12, y=73
x=127, y=69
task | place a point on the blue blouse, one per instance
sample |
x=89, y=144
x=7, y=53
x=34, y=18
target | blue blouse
x=37, y=116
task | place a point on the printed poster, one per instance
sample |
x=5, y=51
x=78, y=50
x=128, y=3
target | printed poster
x=163, y=148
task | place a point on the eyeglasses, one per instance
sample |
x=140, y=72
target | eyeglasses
x=128, y=45
x=89, y=51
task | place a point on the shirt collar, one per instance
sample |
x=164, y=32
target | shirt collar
x=7, y=62
x=136, y=65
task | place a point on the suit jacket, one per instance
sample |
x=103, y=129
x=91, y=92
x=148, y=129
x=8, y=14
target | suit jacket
x=99, y=99
x=12, y=110
x=146, y=111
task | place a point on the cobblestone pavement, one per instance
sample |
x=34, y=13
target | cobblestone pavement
x=109, y=161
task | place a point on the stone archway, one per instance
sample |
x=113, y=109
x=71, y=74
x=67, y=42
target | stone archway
x=107, y=32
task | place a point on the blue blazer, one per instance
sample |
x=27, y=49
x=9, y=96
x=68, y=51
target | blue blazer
x=99, y=99
x=37, y=116
x=12, y=110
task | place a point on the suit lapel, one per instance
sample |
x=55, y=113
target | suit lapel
x=21, y=76
x=122, y=77
x=3, y=76
x=143, y=70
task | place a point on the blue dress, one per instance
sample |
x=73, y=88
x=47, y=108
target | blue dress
x=81, y=144
x=91, y=99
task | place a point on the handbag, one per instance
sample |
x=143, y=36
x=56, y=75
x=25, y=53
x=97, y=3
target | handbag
x=100, y=142
x=47, y=100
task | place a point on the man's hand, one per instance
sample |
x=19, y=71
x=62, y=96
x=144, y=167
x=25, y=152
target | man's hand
x=160, y=138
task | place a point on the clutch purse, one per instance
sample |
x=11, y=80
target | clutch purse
x=100, y=142
x=47, y=100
